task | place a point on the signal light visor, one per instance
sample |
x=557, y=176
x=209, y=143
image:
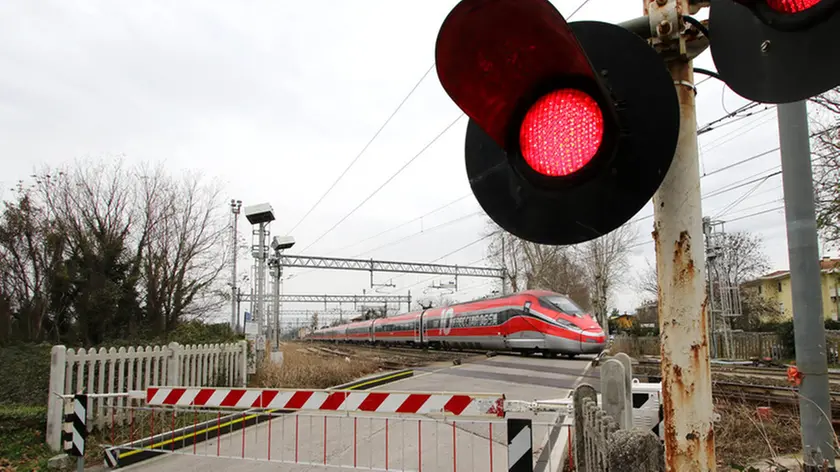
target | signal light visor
x=561, y=132
x=791, y=6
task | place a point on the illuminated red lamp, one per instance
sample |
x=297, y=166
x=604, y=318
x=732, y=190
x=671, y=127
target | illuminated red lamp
x=791, y=6
x=561, y=132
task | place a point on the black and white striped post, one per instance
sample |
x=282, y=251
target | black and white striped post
x=520, y=447
x=75, y=429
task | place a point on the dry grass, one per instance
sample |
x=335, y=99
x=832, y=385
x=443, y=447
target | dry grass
x=742, y=438
x=304, y=369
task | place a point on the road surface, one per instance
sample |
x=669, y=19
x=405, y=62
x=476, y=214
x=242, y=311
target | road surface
x=412, y=444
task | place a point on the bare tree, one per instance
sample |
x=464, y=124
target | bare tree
x=91, y=205
x=605, y=263
x=185, y=249
x=30, y=251
x=741, y=258
x=98, y=250
x=505, y=250
x=424, y=303
x=826, y=146
x=537, y=266
x=555, y=268
x=646, y=282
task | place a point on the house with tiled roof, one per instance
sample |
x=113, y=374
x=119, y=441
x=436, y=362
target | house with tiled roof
x=775, y=288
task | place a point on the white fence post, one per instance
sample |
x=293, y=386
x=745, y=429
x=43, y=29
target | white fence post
x=243, y=365
x=114, y=371
x=173, y=364
x=55, y=404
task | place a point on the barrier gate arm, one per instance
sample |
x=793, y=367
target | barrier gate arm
x=416, y=403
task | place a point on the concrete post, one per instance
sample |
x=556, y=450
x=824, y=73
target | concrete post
x=634, y=451
x=55, y=404
x=628, y=386
x=582, y=392
x=614, y=392
x=173, y=365
x=808, y=324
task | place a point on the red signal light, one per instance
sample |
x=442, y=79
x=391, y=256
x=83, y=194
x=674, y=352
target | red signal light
x=791, y=6
x=561, y=132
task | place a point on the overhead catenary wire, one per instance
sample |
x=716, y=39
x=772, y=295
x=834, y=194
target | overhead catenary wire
x=378, y=189
x=359, y=155
x=447, y=205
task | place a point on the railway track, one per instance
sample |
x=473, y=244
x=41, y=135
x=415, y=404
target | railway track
x=747, y=371
x=766, y=394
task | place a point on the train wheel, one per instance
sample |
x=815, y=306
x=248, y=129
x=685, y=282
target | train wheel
x=550, y=355
x=571, y=356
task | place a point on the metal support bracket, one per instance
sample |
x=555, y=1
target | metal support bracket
x=669, y=35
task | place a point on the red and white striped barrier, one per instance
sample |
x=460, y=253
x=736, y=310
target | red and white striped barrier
x=331, y=400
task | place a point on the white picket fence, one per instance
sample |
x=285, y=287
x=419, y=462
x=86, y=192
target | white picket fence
x=122, y=370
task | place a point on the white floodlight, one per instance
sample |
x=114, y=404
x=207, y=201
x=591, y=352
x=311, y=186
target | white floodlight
x=280, y=243
x=259, y=213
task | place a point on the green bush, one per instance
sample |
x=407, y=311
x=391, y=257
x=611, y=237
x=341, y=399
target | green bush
x=196, y=332
x=25, y=374
x=785, y=332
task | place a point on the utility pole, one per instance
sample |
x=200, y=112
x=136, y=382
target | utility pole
x=680, y=262
x=710, y=255
x=260, y=216
x=260, y=254
x=808, y=324
x=235, y=206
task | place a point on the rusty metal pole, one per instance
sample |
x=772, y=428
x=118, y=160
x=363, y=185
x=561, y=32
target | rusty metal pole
x=680, y=264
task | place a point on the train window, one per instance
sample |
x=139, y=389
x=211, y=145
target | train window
x=562, y=304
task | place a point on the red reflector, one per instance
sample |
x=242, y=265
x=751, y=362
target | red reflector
x=791, y=6
x=561, y=132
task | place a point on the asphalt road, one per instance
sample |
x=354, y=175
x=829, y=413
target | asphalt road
x=296, y=442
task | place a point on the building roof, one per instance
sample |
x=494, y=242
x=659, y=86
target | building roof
x=827, y=264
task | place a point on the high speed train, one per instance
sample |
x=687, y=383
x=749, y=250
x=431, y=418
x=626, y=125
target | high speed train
x=528, y=322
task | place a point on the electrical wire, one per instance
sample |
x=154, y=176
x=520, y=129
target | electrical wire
x=400, y=225
x=756, y=214
x=418, y=233
x=353, y=162
x=392, y=177
x=710, y=73
x=740, y=199
x=582, y=4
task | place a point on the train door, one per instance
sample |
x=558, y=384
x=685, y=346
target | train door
x=418, y=329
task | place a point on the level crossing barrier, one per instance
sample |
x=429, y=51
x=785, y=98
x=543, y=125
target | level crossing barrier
x=373, y=430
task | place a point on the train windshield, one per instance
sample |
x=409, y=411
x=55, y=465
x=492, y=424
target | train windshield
x=563, y=304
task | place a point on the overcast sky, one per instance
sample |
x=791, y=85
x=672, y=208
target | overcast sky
x=277, y=97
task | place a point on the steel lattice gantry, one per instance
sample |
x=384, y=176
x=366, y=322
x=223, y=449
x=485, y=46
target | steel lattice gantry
x=373, y=265
x=336, y=298
x=354, y=299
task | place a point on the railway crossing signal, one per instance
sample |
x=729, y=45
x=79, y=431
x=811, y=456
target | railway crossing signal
x=572, y=125
x=776, y=51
